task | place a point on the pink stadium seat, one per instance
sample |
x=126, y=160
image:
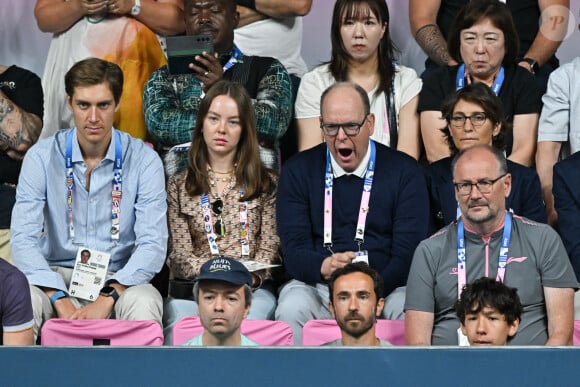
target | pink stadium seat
x=576, y=334
x=63, y=332
x=263, y=332
x=318, y=332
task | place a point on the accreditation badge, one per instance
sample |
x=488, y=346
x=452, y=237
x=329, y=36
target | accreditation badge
x=361, y=256
x=89, y=273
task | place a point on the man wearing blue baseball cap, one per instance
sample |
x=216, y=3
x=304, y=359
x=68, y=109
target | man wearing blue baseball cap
x=224, y=295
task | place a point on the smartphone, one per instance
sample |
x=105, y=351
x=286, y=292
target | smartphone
x=181, y=51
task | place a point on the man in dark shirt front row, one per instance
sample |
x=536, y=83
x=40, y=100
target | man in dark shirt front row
x=532, y=259
x=346, y=200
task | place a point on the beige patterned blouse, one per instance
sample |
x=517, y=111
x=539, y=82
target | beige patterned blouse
x=188, y=245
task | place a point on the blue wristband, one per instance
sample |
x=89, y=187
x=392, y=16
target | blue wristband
x=57, y=296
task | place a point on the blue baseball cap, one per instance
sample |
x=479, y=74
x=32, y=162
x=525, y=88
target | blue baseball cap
x=225, y=269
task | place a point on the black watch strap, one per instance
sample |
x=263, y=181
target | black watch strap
x=533, y=64
x=109, y=291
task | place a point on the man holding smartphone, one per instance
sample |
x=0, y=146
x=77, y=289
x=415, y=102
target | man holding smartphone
x=171, y=102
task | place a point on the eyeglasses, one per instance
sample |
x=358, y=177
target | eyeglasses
x=350, y=128
x=484, y=186
x=477, y=119
x=219, y=227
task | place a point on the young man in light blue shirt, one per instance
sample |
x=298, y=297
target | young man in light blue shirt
x=91, y=187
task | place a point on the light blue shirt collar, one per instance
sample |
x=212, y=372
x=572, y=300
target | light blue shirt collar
x=77, y=155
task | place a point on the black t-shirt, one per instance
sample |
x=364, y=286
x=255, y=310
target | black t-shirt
x=446, y=15
x=15, y=301
x=519, y=93
x=24, y=89
x=526, y=15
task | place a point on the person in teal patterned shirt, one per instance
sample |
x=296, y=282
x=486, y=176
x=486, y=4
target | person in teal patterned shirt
x=171, y=102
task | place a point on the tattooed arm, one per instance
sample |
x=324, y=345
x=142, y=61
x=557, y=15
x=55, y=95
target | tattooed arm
x=422, y=16
x=18, y=128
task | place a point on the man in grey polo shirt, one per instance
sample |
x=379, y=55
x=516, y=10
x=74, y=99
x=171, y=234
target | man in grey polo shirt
x=532, y=260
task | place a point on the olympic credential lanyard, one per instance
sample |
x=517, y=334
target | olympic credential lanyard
x=210, y=233
x=364, y=204
x=497, y=83
x=235, y=58
x=116, y=192
x=503, y=253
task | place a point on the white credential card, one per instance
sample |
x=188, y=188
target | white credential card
x=255, y=265
x=89, y=274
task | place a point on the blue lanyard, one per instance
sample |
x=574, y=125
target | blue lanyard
x=364, y=204
x=503, y=253
x=116, y=192
x=496, y=87
x=235, y=58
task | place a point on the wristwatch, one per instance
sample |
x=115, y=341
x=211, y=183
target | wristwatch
x=533, y=64
x=136, y=8
x=109, y=291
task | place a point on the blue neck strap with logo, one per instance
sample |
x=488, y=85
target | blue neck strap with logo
x=233, y=59
x=461, y=255
x=116, y=192
x=497, y=83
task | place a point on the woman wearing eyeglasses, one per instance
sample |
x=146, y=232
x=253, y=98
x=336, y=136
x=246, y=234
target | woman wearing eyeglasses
x=223, y=204
x=363, y=53
x=484, y=41
x=474, y=115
